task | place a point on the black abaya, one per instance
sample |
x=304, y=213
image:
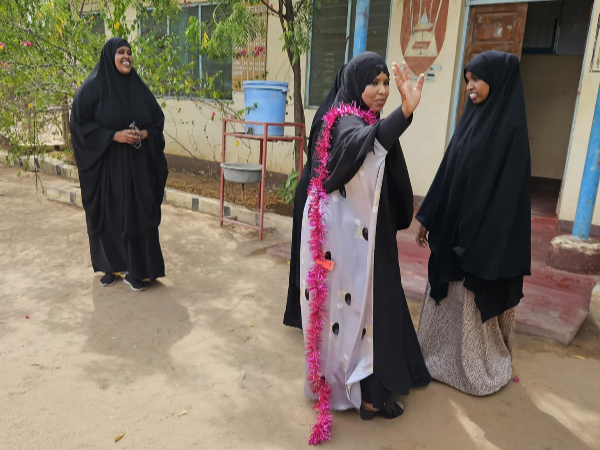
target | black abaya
x=478, y=210
x=398, y=361
x=122, y=187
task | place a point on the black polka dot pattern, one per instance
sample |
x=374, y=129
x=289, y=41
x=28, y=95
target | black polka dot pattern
x=328, y=256
x=365, y=233
x=306, y=294
x=335, y=328
x=343, y=191
x=348, y=298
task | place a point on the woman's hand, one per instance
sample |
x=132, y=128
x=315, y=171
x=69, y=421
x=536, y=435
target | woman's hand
x=126, y=136
x=411, y=96
x=422, y=237
x=142, y=134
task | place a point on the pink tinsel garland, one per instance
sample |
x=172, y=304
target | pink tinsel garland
x=317, y=275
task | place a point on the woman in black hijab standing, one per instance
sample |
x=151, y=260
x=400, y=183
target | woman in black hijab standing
x=361, y=346
x=293, y=315
x=117, y=133
x=477, y=221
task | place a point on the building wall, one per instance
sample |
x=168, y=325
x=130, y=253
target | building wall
x=590, y=83
x=550, y=84
x=424, y=143
x=190, y=129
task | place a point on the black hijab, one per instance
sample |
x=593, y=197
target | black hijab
x=131, y=180
x=359, y=73
x=352, y=139
x=478, y=209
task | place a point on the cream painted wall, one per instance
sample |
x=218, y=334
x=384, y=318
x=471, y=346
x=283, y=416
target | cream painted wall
x=424, y=143
x=581, y=131
x=189, y=129
x=550, y=83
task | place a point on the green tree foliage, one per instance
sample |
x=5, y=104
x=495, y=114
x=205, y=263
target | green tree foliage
x=48, y=48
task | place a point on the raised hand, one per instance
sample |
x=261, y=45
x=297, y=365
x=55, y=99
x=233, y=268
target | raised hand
x=411, y=96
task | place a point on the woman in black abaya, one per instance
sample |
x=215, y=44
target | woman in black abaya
x=293, y=315
x=369, y=350
x=117, y=133
x=477, y=221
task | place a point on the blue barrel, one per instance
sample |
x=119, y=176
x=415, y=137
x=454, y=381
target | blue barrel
x=270, y=99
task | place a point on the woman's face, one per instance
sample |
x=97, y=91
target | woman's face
x=477, y=89
x=376, y=93
x=124, y=60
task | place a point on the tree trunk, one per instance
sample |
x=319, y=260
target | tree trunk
x=65, y=122
x=298, y=110
x=287, y=24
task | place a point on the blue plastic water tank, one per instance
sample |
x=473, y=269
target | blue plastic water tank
x=269, y=98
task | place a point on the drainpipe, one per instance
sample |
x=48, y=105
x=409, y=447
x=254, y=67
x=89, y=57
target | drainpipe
x=361, y=25
x=589, y=181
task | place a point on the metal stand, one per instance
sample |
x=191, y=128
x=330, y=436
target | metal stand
x=262, y=160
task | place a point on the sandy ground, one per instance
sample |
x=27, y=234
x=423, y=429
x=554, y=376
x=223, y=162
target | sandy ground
x=91, y=363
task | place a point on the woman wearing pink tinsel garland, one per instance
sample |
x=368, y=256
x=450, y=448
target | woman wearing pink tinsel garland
x=361, y=346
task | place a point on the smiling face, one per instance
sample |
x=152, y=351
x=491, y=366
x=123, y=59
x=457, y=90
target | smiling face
x=477, y=89
x=124, y=60
x=376, y=94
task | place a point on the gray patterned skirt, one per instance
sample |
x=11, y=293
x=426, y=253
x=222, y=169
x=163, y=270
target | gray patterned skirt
x=459, y=349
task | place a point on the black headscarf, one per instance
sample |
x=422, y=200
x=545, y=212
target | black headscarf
x=120, y=185
x=352, y=139
x=478, y=210
x=360, y=72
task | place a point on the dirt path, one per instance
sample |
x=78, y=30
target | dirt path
x=92, y=363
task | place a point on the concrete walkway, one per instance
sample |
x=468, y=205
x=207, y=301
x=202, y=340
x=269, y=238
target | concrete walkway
x=202, y=361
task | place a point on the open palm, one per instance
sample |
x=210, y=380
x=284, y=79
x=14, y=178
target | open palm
x=411, y=95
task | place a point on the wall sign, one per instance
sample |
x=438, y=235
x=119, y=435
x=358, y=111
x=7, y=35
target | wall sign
x=423, y=34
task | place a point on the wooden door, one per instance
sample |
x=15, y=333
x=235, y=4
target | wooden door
x=493, y=27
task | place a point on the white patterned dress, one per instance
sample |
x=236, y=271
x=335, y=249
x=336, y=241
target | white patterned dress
x=347, y=341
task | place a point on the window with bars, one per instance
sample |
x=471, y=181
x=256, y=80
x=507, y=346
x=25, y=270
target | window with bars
x=204, y=68
x=333, y=39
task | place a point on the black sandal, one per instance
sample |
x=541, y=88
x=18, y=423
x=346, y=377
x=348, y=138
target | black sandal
x=390, y=410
